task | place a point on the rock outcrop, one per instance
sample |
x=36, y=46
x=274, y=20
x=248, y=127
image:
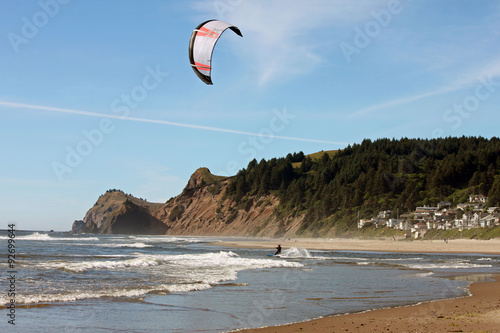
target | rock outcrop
x=118, y=213
x=78, y=226
x=201, y=209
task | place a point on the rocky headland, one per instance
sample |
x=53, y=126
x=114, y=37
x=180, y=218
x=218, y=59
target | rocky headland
x=201, y=209
x=325, y=194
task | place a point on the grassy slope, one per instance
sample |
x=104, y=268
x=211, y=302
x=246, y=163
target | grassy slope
x=208, y=177
x=111, y=202
x=316, y=156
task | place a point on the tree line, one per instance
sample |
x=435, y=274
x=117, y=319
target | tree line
x=362, y=179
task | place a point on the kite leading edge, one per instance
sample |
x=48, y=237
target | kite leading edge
x=201, y=46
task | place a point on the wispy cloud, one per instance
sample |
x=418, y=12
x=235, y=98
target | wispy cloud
x=160, y=122
x=276, y=31
x=464, y=81
x=400, y=101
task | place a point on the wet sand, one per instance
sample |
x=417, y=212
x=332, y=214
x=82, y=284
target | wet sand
x=477, y=313
x=491, y=246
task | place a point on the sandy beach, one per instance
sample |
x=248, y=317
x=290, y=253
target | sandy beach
x=491, y=246
x=479, y=312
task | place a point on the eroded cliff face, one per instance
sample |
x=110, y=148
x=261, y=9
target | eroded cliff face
x=201, y=209
x=118, y=213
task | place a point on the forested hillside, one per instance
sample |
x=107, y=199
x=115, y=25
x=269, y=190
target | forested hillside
x=385, y=174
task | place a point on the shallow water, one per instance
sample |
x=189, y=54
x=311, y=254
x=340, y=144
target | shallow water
x=108, y=283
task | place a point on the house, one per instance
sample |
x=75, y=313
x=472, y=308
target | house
x=444, y=204
x=450, y=214
x=493, y=210
x=464, y=206
x=419, y=227
x=462, y=222
x=441, y=225
x=440, y=215
x=385, y=214
x=478, y=198
x=490, y=220
x=379, y=223
x=476, y=217
x=404, y=225
x=394, y=223
x=430, y=224
x=425, y=212
x=447, y=224
x=362, y=223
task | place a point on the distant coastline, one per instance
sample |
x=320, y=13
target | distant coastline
x=414, y=187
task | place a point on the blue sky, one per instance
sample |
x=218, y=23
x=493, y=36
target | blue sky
x=96, y=95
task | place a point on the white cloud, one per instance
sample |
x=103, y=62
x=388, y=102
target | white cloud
x=280, y=40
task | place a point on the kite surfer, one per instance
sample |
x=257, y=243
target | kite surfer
x=278, y=250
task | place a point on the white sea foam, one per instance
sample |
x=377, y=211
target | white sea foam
x=79, y=294
x=447, y=265
x=193, y=262
x=423, y=274
x=80, y=267
x=295, y=252
x=401, y=259
x=45, y=237
x=214, y=268
x=172, y=273
x=134, y=245
x=365, y=263
x=171, y=239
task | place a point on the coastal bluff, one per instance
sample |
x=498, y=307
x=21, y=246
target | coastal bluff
x=201, y=209
x=432, y=188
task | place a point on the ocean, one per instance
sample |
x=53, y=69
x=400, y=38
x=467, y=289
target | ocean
x=61, y=282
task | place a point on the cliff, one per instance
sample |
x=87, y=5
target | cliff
x=118, y=213
x=206, y=210
x=201, y=209
x=322, y=194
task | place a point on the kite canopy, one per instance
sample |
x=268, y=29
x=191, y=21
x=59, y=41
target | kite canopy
x=201, y=46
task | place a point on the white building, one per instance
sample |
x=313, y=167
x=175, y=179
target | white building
x=478, y=198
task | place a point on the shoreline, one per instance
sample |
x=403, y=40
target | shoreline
x=491, y=247
x=478, y=312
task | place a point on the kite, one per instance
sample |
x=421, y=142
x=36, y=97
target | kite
x=201, y=46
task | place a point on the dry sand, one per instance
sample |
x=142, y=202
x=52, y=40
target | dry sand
x=477, y=313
